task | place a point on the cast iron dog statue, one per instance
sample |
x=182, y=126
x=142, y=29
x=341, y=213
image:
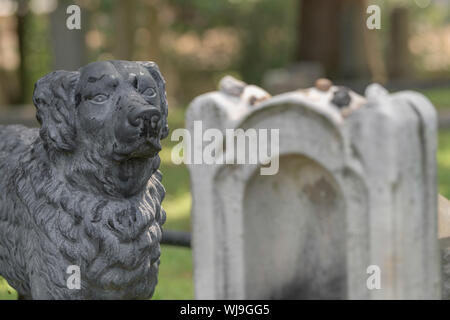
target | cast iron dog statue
x=85, y=189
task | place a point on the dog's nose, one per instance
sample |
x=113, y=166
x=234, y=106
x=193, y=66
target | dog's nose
x=146, y=115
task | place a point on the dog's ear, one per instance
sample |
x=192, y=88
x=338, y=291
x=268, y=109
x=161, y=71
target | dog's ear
x=54, y=98
x=156, y=74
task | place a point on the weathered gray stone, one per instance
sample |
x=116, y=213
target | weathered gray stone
x=356, y=187
x=444, y=241
x=85, y=189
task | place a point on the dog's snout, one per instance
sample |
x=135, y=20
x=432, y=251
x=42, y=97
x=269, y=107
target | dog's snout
x=147, y=115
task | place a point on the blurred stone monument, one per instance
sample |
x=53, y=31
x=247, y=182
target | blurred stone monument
x=355, y=191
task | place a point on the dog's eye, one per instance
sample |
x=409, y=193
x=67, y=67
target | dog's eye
x=99, y=98
x=149, y=92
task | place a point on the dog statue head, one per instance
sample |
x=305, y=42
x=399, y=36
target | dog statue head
x=113, y=112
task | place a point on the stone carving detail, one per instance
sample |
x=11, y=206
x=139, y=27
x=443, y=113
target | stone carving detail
x=84, y=190
x=356, y=187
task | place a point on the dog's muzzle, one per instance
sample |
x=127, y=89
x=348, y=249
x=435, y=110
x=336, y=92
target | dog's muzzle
x=137, y=132
x=149, y=122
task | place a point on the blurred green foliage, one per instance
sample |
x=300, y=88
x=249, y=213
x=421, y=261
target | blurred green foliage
x=37, y=61
x=6, y=292
x=443, y=158
x=440, y=97
x=267, y=30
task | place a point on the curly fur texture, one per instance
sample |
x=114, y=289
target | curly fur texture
x=66, y=199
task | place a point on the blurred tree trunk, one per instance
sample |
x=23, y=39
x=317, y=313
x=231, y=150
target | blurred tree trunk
x=399, y=56
x=154, y=52
x=353, y=62
x=21, y=14
x=69, y=50
x=319, y=32
x=125, y=29
x=154, y=27
x=334, y=33
x=374, y=51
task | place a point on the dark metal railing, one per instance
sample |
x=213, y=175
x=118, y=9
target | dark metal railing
x=176, y=238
